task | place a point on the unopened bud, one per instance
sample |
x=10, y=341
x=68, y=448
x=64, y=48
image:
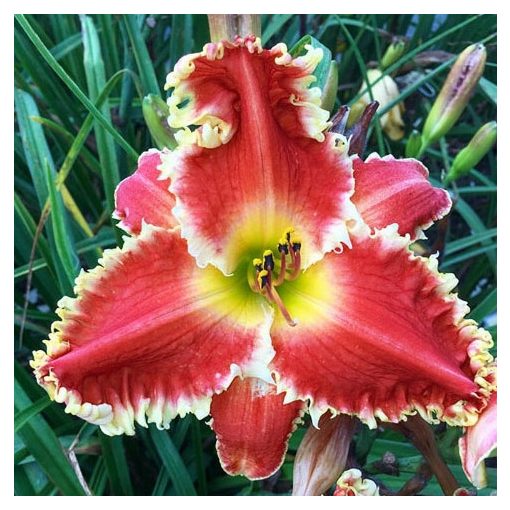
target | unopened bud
x=384, y=91
x=351, y=483
x=322, y=454
x=394, y=51
x=413, y=144
x=155, y=113
x=454, y=96
x=329, y=92
x=481, y=143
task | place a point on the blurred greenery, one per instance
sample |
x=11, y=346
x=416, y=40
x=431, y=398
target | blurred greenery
x=80, y=86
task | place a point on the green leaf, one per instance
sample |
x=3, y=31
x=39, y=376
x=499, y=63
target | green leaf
x=35, y=146
x=142, y=57
x=96, y=82
x=486, y=307
x=322, y=70
x=42, y=443
x=490, y=89
x=275, y=24
x=466, y=242
x=73, y=87
x=477, y=225
x=181, y=38
x=61, y=233
x=173, y=463
x=116, y=465
x=22, y=417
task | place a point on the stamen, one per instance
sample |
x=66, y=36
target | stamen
x=295, y=254
x=264, y=269
x=254, y=282
x=283, y=248
x=273, y=296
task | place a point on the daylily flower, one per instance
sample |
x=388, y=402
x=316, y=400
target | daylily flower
x=260, y=282
x=351, y=483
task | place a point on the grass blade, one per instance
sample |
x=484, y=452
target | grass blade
x=43, y=444
x=116, y=465
x=52, y=62
x=96, y=81
x=486, y=307
x=22, y=417
x=173, y=463
x=142, y=57
x=61, y=233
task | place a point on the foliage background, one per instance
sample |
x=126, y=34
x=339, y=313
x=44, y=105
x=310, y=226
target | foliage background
x=114, y=62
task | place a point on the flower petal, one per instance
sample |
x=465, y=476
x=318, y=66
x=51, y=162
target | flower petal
x=259, y=161
x=322, y=455
x=351, y=483
x=477, y=444
x=253, y=427
x=380, y=335
x=389, y=190
x=143, y=196
x=151, y=334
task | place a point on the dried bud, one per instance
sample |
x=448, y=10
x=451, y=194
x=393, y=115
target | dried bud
x=155, y=113
x=455, y=94
x=330, y=88
x=413, y=144
x=481, y=143
x=351, y=483
x=322, y=454
x=394, y=51
x=385, y=91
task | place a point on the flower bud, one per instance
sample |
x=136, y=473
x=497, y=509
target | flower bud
x=385, y=91
x=322, y=454
x=330, y=88
x=413, y=144
x=454, y=96
x=394, y=51
x=351, y=483
x=481, y=143
x=155, y=113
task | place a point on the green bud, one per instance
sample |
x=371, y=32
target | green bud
x=394, y=51
x=481, y=143
x=455, y=94
x=155, y=113
x=413, y=144
x=330, y=88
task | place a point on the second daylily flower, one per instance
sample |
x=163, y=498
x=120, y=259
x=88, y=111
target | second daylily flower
x=260, y=282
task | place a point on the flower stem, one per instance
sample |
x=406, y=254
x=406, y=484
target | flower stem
x=419, y=432
x=228, y=26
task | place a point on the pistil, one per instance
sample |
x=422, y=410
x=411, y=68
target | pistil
x=272, y=295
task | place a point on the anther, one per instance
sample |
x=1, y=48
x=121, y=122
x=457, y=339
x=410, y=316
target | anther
x=268, y=260
x=283, y=246
x=257, y=264
x=288, y=233
x=263, y=278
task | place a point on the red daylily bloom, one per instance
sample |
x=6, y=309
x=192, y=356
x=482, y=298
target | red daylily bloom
x=196, y=313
